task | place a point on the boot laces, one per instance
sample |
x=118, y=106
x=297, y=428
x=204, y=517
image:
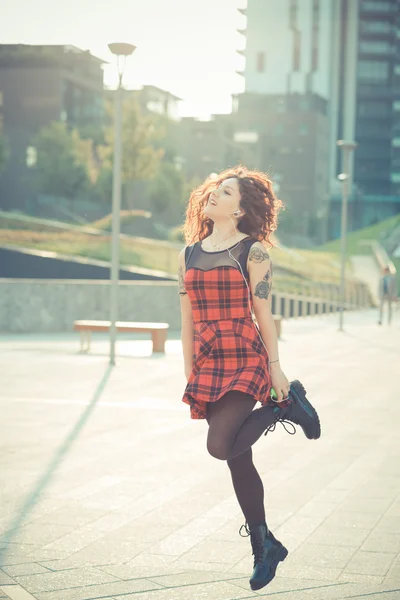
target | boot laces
x=247, y=530
x=256, y=543
x=284, y=423
x=258, y=550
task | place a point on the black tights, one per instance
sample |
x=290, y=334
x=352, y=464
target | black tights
x=233, y=428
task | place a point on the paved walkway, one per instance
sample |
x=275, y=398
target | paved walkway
x=107, y=490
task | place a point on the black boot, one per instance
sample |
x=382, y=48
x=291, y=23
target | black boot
x=300, y=411
x=267, y=552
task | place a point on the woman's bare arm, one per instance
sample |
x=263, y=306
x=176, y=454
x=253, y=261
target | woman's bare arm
x=260, y=274
x=186, y=317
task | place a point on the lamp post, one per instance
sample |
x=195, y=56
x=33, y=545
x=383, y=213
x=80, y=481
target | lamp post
x=121, y=51
x=345, y=179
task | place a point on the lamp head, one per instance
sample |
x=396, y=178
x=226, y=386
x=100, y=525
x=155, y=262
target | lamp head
x=121, y=49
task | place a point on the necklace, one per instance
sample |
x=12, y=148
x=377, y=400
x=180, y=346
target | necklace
x=219, y=243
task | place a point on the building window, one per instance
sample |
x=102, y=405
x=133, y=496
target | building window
x=373, y=109
x=375, y=47
x=395, y=177
x=376, y=27
x=260, y=62
x=376, y=6
x=373, y=70
x=396, y=105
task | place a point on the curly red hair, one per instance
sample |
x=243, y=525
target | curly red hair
x=258, y=200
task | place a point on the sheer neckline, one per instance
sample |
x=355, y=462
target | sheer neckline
x=219, y=251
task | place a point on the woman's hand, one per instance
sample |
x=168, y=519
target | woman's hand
x=280, y=382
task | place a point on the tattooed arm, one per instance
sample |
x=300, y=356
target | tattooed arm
x=186, y=317
x=260, y=275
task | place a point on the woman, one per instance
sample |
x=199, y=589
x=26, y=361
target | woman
x=225, y=272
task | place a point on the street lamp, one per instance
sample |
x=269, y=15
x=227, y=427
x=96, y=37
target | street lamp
x=122, y=51
x=345, y=179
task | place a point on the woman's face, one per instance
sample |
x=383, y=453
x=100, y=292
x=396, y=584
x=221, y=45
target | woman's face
x=224, y=200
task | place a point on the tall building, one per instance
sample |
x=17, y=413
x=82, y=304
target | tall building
x=286, y=46
x=348, y=53
x=38, y=85
x=287, y=84
x=366, y=106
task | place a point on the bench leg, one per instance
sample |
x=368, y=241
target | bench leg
x=159, y=338
x=86, y=337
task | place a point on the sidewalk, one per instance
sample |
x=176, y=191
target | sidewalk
x=114, y=495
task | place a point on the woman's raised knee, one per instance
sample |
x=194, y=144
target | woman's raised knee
x=217, y=450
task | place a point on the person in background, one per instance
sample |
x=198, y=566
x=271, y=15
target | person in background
x=387, y=293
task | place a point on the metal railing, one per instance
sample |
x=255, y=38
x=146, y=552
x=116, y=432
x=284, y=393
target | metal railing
x=300, y=305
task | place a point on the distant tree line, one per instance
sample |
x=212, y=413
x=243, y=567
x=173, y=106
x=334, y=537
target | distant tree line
x=76, y=163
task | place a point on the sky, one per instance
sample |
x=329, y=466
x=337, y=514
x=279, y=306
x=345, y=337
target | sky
x=187, y=47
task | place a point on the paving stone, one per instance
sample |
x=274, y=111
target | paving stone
x=366, y=505
x=15, y=592
x=5, y=578
x=394, y=571
x=42, y=534
x=184, y=564
x=190, y=578
x=89, y=592
x=25, y=569
x=212, y=550
x=382, y=542
x=128, y=571
x=175, y=544
x=389, y=525
x=357, y=578
x=345, y=519
x=339, y=536
x=46, y=582
x=340, y=591
x=370, y=563
x=309, y=572
x=321, y=556
x=221, y=590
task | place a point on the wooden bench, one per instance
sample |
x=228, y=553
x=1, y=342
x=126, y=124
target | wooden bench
x=159, y=331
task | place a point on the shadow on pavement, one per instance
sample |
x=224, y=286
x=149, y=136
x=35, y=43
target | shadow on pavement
x=33, y=498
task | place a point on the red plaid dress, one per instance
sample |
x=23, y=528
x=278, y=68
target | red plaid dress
x=228, y=353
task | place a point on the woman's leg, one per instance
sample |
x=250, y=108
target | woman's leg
x=224, y=420
x=248, y=487
x=235, y=426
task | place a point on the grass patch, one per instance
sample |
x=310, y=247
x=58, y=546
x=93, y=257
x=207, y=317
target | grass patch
x=294, y=269
x=21, y=222
x=355, y=239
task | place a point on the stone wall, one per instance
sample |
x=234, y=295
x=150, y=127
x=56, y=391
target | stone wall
x=33, y=305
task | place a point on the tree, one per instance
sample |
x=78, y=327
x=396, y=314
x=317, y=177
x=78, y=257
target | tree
x=140, y=157
x=165, y=193
x=66, y=164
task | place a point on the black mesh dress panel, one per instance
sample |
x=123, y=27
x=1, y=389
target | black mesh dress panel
x=198, y=258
